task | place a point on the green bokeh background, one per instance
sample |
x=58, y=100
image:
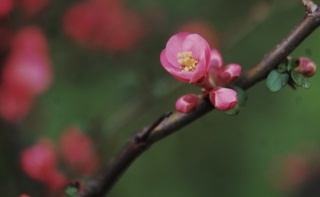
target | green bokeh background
x=112, y=96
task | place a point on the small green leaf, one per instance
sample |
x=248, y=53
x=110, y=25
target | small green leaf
x=297, y=77
x=291, y=64
x=282, y=68
x=241, y=94
x=233, y=111
x=71, y=191
x=276, y=80
x=300, y=80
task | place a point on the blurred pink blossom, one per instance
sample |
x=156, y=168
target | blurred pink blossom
x=33, y=7
x=5, y=7
x=104, y=25
x=78, y=151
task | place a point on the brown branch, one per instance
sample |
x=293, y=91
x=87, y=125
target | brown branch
x=134, y=147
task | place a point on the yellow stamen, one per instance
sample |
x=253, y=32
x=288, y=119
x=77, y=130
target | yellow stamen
x=186, y=61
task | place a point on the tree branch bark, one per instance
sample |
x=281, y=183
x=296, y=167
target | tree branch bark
x=137, y=145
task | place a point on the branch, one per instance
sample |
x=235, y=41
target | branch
x=134, y=147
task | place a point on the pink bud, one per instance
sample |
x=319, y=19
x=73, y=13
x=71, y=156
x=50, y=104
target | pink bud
x=228, y=74
x=186, y=103
x=306, y=67
x=223, y=98
x=39, y=161
x=186, y=57
x=216, y=60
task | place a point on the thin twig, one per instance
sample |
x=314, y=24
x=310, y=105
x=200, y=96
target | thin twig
x=132, y=150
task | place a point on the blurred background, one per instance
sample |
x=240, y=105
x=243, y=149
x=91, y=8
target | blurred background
x=78, y=78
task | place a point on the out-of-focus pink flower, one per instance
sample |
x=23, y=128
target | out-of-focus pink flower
x=5, y=7
x=39, y=161
x=223, y=98
x=33, y=7
x=30, y=38
x=104, y=25
x=186, y=103
x=24, y=195
x=78, y=151
x=291, y=172
x=222, y=75
x=186, y=57
x=203, y=29
x=306, y=66
x=28, y=67
x=14, y=104
x=55, y=180
x=81, y=21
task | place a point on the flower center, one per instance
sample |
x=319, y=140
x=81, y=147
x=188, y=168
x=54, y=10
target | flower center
x=186, y=61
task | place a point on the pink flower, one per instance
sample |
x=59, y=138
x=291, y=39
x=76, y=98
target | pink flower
x=186, y=57
x=306, y=67
x=78, y=151
x=15, y=104
x=223, y=98
x=186, y=103
x=33, y=7
x=117, y=30
x=24, y=195
x=28, y=67
x=40, y=160
x=5, y=7
x=222, y=75
x=55, y=180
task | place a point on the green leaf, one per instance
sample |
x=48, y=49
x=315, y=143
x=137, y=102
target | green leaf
x=276, y=80
x=299, y=79
x=71, y=191
x=241, y=94
x=282, y=68
x=292, y=63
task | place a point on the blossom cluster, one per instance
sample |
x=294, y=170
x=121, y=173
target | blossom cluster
x=189, y=58
x=40, y=161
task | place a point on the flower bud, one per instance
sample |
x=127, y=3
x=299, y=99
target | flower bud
x=306, y=67
x=186, y=103
x=223, y=98
x=228, y=74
